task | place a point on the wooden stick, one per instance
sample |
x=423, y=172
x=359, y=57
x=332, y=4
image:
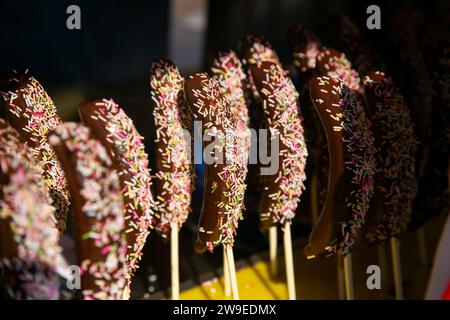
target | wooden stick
x=289, y=261
x=273, y=246
x=340, y=276
x=422, y=242
x=383, y=262
x=226, y=275
x=397, y=267
x=348, y=276
x=174, y=264
x=232, y=271
x=126, y=293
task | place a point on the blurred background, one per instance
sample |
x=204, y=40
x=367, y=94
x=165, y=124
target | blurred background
x=111, y=54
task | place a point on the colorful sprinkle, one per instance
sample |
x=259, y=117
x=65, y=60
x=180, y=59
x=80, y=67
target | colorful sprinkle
x=396, y=148
x=279, y=101
x=211, y=107
x=34, y=115
x=30, y=270
x=127, y=151
x=175, y=174
x=101, y=220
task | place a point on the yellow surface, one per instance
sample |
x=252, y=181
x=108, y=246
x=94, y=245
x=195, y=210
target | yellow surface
x=316, y=278
x=254, y=283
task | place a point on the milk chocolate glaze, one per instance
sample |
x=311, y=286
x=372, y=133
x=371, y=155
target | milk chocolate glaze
x=115, y=130
x=97, y=211
x=351, y=167
x=219, y=214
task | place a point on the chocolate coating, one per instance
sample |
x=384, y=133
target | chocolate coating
x=395, y=183
x=115, y=130
x=30, y=256
x=333, y=63
x=351, y=152
x=278, y=101
x=97, y=211
x=282, y=190
x=32, y=113
x=175, y=175
x=220, y=208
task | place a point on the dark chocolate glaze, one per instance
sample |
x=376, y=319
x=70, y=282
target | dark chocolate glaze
x=395, y=183
x=270, y=186
x=376, y=211
x=350, y=146
x=334, y=205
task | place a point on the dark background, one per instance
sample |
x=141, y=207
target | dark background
x=110, y=57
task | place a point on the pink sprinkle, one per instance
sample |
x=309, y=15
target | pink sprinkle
x=105, y=250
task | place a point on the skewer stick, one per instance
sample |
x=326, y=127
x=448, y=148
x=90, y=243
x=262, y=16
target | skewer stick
x=273, y=245
x=126, y=293
x=174, y=263
x=340, y=276
x=289, y=261
x=383, y=262
x=226, y=275
x=397, y=266
x=232, y=271
x=348, y=277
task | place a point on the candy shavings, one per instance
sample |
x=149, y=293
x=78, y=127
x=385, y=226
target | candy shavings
x=173, y=121
x=32, y=103
x=102, y=204
x=26, y=211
